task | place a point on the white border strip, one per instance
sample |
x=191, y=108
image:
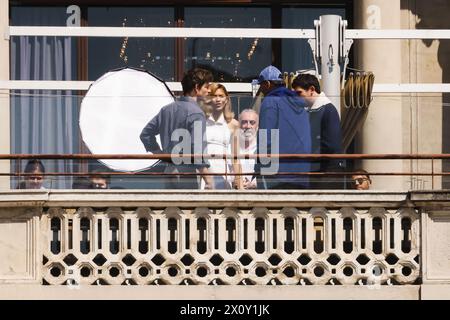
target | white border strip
x=162, y=32
x=398, y=34
x=221, y=33
x=231, y=86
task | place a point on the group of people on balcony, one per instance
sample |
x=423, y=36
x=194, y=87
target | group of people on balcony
x=295, y=122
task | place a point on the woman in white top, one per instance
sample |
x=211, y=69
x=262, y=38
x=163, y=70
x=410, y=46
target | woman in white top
x=221, y=128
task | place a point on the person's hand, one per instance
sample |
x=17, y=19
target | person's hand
x=209, y=186
x=209, y=183
x=249, y=184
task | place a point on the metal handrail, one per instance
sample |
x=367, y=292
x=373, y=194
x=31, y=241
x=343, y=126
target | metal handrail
x=391, y=156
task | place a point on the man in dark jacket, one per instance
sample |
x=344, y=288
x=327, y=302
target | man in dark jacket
x=182, y=119
x=282, y=110
x=325, y=130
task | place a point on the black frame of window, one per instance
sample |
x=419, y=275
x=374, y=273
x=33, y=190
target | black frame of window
x=276, y=7
x=276, y=21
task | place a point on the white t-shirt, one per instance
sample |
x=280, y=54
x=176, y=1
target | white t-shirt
x=218, y=138
x=248, y=165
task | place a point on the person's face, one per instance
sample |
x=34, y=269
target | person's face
x=219, y=100
x=202, y=91
x=248, y=125
x=99, y=183
x=265, y=87
x=35, y=180
x=307, y=94
x=361, y=182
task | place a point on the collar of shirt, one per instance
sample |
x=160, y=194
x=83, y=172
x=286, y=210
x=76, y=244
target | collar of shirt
x=189, y=99
x=221, y=121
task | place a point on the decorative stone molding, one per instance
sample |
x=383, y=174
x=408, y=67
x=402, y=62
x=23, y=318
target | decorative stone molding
x=20, y=245
x=270, y=238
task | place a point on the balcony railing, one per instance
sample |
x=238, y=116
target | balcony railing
x=224, y=238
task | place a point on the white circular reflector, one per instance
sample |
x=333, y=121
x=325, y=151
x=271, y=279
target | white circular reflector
x=115, y=110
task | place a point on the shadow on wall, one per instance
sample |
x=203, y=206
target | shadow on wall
x=433, y=14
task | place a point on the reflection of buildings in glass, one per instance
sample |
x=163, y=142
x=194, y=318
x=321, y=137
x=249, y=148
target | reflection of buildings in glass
x=232, y=59
x=143, y=49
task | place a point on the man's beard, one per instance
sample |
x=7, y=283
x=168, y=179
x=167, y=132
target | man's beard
x=248, y=134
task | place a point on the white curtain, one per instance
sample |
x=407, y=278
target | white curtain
x=44, y=121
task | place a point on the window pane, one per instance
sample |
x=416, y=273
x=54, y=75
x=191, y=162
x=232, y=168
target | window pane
x=230, y=59
x=42, y=58
x=153, y=54
x=297, y=54
x=43, y=121
x=38, y=16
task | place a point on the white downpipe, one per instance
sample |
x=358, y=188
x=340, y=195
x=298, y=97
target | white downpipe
x=329, y=57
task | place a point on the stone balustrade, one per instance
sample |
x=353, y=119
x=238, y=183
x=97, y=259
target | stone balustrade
x=260, y=239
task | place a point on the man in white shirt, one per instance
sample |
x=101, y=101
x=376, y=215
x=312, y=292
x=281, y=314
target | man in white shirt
x=248, y=123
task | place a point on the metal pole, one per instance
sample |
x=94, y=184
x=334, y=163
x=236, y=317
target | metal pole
x=330, y=26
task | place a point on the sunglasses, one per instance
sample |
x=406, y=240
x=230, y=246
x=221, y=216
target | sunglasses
x=360, y=180
x=252, y=122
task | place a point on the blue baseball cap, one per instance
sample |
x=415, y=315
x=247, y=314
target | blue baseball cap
x=270, y=73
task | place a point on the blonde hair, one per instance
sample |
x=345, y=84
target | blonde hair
x=208, y=109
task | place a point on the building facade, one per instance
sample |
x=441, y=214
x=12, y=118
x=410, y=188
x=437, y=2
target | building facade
x=390, y=243
x=417, y=122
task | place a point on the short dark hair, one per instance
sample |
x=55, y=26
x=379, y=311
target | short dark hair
x=305, y=81
x=195, y=77
x=34, y=165
x=98, y=173
x=362, y=172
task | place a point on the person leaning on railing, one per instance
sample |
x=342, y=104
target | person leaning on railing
x=361, y=180
x=95, y=180
x=34, y=179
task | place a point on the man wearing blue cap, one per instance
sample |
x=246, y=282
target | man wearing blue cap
x=282, y=111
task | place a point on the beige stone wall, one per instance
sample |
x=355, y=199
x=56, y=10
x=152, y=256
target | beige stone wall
x=425, y=63
x=4, y=99
x=384, y=126
x=410, y=123
x=430, y=63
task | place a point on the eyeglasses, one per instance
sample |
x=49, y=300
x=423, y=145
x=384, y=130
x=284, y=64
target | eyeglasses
x=99, y=186
x=360, y=180
x=251, y=122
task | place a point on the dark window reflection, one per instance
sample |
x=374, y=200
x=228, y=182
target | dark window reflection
x=297, y=54
x=154, y=54
x=230, y=59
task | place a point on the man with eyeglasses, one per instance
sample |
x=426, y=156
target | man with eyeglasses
x=248, y=124
x=361, y=180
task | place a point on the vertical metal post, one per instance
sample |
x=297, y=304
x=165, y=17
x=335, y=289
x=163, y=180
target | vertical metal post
x=330, y=26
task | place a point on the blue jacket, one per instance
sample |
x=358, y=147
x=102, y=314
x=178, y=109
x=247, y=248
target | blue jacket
x=284, y=110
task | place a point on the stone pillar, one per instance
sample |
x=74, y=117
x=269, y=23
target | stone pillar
x=435, y=243
x=383, y=129
x=429, y=62
x=4, y=94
